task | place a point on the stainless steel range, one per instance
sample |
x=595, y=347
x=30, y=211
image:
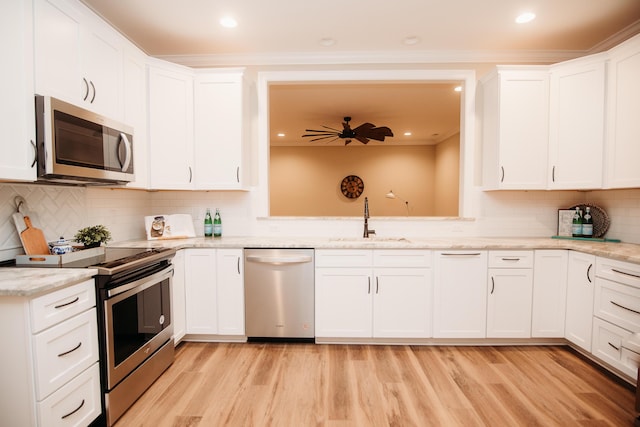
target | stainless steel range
x=134, y=323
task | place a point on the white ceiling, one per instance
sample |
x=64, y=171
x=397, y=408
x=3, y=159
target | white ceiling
x=278, y=32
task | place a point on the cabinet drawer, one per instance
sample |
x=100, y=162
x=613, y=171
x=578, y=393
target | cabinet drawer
x=618, y=271
x=344, y=258
x=618, y=304
x=510, y=259
x=607, y=346
x=58, y=306
x=401, y=258
x=76, y=403
x=65, y=350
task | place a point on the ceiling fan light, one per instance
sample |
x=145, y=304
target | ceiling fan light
x=390, y=195
x=411, y=40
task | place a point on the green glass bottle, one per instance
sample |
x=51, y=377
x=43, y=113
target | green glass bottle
x=208, y=224
x=576, y=225
x=587, y=223
x=217, y=224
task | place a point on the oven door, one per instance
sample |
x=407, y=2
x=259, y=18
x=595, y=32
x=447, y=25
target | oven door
x=137, y=322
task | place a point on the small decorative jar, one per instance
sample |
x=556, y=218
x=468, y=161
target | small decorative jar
x=61, y=247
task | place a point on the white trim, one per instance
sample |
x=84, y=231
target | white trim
x=467, y=118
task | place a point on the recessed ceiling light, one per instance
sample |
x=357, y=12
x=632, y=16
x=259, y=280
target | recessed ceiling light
x=407, y=134
x=281, y=134
x=458, y=88
x=525, y=17
x=228, y=22
x=411, y=40
x=327, y=41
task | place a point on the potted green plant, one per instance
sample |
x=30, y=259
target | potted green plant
x=93, y=236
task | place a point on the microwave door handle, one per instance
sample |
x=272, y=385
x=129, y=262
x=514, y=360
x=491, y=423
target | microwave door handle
x=127, y=149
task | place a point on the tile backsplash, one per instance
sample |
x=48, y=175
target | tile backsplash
x=61, y=211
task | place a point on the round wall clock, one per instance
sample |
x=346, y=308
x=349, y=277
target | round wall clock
x=352, y=186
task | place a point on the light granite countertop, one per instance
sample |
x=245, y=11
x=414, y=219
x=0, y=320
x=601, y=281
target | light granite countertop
x=26, y=282
x=31, y=281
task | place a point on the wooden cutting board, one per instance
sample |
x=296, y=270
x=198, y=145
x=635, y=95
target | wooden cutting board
x=33, y=239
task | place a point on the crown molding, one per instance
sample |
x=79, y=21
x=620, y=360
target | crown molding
x=382, y=57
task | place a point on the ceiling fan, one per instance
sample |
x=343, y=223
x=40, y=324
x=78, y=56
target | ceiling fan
x=362, y=133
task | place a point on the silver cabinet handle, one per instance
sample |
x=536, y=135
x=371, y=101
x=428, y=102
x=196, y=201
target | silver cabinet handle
x=624, y=308
x=511, y=259
x=35, y=153
x=553, y=174
x=238, y=265
x=190, y=174
x=502, y=171
x=279, y=260
x=238, y=174
x=589, y=271
x=67, y=303
x=64, y=353
x=613, y=346
x=93, y=98
x=625, y=273
x=74, y=411
x=377, y=285
x=86, y=89
x=493, y=285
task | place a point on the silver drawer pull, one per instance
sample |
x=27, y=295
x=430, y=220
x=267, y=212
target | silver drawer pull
x=625, y=273
x=613, y=346
x=67, y=303
x=71, y=351
x=74, y=411
x=625, y=308
x=511, y=259
x=460, y=253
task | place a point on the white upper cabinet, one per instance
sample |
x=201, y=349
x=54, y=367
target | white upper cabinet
x=78, y=57
x=17, y=149
x=170, y=127
x=576, y=124
x=515, y=104
x=135, y=113
x=220, y=135
x=623, y=107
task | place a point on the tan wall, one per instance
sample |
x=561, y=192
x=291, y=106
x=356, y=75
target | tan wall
x=305, y=181
x=447, y=177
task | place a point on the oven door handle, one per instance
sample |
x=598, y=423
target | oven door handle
x=145, y=282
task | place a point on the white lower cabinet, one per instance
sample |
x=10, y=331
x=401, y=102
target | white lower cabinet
x=460, y=294
x=549, y=293
x=580, y=292
x=214, y=290
x=373, y=293
x=53, y=343
x=178, y=298
x=510, y=282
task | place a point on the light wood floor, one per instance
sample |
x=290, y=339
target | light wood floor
x=253, y=384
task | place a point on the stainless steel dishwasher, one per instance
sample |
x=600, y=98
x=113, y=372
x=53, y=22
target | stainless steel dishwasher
x=279, y=294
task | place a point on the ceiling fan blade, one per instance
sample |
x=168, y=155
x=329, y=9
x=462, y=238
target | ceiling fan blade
x=321, y=131
x=369, y=130
x=327, y=127
x=324, y=137
x=362, y=139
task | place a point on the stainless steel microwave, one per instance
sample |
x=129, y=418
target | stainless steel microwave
x=77, y=146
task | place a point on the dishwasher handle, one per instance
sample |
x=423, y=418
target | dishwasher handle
x=280, y=260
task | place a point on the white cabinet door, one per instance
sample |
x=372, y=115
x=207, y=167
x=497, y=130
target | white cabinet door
x=623, y=126
x=58, y=29
x=170, y=127
x=219, y=145
x=178, y=296
x=344, y=304
x=580, y=295
x=549, y=293
x=135, y=114
x=201, y=294
x=509, y=303
x=460, y=294
x=230, y=285
x=515, y=128
x=402, y=298
x=576, y=124
x=17, y=147
x=78, y=57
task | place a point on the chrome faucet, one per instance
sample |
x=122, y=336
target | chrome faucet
x=366, y=219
